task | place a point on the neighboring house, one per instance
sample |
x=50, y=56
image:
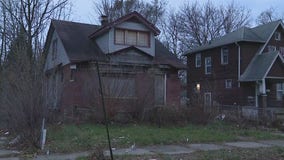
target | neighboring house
x=242, y=68
x=137, y=70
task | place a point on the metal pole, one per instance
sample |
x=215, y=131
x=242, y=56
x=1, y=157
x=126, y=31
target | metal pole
x=104, y=109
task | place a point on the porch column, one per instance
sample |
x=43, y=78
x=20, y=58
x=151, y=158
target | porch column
x=263, y=106
x=262, y=100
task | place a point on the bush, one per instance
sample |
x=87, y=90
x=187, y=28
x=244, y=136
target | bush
x=166, y=115
x=197, y=115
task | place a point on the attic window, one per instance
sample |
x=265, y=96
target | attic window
x=277, y=36
x=271, y=48
x=132, y=37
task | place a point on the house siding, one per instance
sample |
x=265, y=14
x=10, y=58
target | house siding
x=215, y=82
x=274, y=42
x=61, y=57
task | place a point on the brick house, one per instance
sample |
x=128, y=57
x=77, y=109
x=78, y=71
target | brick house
x=136, y=69
x=243, y=68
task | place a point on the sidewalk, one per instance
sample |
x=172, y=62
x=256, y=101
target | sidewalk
x=190, y=148
x=153, y=150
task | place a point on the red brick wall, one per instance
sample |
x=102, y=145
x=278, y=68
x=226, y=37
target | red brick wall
x=78, y=92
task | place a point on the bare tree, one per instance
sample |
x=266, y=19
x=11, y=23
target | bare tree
x=203, y=23
x=21, y=92
x=267, y=16
x=21, y=79
x=33, y=16
x=153, y=11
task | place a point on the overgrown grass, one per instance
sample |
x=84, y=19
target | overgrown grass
x=69, y=138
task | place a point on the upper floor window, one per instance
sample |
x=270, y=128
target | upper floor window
x=131, y=37
x=224, y=55
x=271, y=48
x=228, y=83
x=54, y=49
x=279, y=91
x=277, y=36
x=208, y=65
x=198, y=60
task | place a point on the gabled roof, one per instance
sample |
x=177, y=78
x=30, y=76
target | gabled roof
x=79, y=47
x=260, y=34
x=74, y=37
x=259, y=66
x=132, y=15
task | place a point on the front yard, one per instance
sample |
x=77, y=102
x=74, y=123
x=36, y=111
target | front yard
x=69, y=138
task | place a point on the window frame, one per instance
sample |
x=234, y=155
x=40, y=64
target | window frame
x=207, y=72
x=277, y=36
x=137, y=36
x=198, y=59
x=228, y=83
x=224, y=54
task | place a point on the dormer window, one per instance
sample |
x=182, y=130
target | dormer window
x=132, y=37
x=277, y=36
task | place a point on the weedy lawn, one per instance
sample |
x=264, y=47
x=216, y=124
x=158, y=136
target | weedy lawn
x=70, y=138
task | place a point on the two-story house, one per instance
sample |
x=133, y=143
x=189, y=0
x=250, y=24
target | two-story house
x=243, y=68
x=137, y=71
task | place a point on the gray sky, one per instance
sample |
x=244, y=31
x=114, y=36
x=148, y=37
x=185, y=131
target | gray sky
x=84, y=9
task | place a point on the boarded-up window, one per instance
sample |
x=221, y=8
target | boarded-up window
x=119, y=87
x=143, y=39
x=159, y=90
x=119, y=36
x=131, y=38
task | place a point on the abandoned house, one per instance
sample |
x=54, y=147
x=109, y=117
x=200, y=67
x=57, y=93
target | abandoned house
x=137, y=71
x=242, y=68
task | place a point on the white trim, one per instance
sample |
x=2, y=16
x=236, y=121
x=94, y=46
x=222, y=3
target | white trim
x=263, y=85
x=271, y=77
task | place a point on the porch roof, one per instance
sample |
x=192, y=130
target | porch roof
x=259, y=66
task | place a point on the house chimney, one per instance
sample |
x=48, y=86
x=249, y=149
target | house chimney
x=104, y=20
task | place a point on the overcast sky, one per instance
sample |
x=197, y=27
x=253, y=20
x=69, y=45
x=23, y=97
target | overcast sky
x=84, y=9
